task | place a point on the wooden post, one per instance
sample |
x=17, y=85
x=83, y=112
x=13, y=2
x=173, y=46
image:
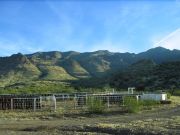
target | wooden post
x=34, y=104
x=40, y=103
x=108, y=101
x=11, y=103
x=54, y=100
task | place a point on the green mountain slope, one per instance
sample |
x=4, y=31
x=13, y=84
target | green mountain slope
x=17, y=68
x=147, y=74
x=88, y=66
x=74, y=68
x=54, y=73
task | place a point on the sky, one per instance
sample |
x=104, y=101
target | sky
x=85, y=26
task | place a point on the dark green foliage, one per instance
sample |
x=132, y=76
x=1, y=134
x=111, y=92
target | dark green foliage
x=168, y=95
x=175, y=92
x=168, y=74
x=135, y=75
x=148, y=75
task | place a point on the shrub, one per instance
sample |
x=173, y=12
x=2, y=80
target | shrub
x=95, y=105
x=166, y=102
x=168, y=95
x=176, y=93
x=149, y=103
x=132, y=104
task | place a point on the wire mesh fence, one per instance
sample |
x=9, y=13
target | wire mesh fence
x=83, y=102
x=63, y=101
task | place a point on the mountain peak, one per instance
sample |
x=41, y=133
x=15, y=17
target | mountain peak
x=19, y=57
x=159, y=48
x=102, y=52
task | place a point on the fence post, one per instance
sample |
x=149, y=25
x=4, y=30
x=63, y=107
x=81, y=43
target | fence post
x=74, y=102
x=53, y=102
x=40, y=102
x=11, y=103
x=108, y=101
x=34, y=104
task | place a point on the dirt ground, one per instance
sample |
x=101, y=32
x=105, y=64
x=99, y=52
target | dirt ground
x=164, y=120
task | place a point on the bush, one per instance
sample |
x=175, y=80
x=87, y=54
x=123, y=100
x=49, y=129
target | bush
x=132, y=104
x=95, y=105
x=168, y=95
x=176, y=93
x=148, y=103
x=166, y=102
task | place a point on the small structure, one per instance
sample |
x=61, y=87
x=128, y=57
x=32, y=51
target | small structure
x=156, y=97
x=131, y=90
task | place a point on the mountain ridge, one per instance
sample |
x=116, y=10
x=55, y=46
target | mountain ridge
x=71, y=65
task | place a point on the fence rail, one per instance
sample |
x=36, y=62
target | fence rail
x=57, y=101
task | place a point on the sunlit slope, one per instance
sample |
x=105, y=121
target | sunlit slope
x=54, y=73
x=17, y=68
x=75, y=69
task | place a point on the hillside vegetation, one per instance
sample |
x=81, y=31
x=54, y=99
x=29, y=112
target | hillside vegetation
x=155, y=68
x=146, y=74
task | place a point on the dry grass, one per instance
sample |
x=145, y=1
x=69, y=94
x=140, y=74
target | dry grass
x=160, y=120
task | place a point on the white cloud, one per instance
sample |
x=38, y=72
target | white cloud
x=170, y=41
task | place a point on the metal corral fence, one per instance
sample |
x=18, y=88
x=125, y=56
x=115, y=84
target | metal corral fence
x=30, y=102
x=52, y=102
x=80, y=101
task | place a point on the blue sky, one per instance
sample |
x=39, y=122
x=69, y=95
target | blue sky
x=117, y=26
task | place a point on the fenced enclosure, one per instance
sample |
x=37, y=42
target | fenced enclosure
x=27, y=102
x=64, y=101
x=83, y=101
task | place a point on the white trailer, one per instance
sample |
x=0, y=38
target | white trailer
x=156, y=97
